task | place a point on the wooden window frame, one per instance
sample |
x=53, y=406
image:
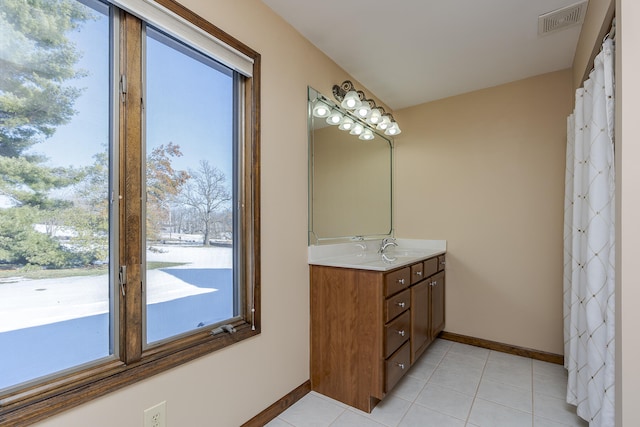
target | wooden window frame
x=36, y=402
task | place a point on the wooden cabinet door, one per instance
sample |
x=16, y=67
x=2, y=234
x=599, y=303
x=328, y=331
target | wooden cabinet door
x=420, y=333
x=437, y=304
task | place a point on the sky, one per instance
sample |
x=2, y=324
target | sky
x=187, y=103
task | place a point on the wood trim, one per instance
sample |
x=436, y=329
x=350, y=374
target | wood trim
x=202, y=23
x=131, y=181
x=253, y=86
x=280, y=406
x=504, y=348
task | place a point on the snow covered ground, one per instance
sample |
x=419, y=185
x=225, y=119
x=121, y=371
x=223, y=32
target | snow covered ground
x=25, y=303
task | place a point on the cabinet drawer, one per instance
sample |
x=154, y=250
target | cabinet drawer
x=417, y=272
x=430, y=266
x=397, y=304
x=397, y=332
x=396, y=366
x=441, y=262
x=396, y=281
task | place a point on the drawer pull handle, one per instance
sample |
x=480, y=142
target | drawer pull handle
x=418, y=273
x=400, y=304
x=401, y=333
x=400, y=365
x=443, y=262
x=401, y=281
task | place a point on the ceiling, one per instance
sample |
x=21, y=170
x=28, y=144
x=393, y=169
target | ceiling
x=409, y=52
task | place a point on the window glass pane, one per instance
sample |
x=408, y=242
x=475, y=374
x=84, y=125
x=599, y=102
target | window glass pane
x=54, y=182
x=189, y=186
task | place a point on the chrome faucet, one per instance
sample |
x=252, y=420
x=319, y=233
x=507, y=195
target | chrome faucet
x=386, y=242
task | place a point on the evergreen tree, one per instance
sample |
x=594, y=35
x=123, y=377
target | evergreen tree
x=37, y=66
x=36, y=61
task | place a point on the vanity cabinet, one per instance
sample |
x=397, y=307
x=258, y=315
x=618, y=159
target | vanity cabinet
x=427, y=297
x=367, y=328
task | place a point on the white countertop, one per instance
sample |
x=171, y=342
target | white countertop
x=364, y=255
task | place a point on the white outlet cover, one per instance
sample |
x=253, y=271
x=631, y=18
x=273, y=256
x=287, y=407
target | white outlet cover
x=156, y=415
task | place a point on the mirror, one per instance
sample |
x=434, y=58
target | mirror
x=350, y=181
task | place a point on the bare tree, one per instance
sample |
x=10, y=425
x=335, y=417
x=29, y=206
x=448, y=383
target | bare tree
x=205, y=193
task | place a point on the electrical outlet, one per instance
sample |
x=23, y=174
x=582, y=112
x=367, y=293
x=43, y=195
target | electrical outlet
x=155, y=416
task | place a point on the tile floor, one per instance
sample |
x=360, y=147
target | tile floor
x=453, y=385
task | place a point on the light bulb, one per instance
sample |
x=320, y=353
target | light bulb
x=334, y=118
x=357, y=129
x=363, y=111
x=346, y=124
x=375, y=117
x=393, y=129
x=351, y=100
x=321, y=109
x=385, y=122
x=367, y=135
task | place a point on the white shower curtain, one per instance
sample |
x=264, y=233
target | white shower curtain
x=589, y=242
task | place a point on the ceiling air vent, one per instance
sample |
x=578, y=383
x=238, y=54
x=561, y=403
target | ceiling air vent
x=562, y=18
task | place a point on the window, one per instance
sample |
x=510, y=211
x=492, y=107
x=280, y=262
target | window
x=54, y=221
x=129, y=197
x=189, y=226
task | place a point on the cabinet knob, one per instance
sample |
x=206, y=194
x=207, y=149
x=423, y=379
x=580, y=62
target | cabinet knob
x=443, y=262
x=418, y=273
x=400, y=365
x=401, y=333
x=434, y=283
x=401, y=281
x=400, y=304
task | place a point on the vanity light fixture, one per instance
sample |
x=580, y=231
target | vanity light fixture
x=393, y=129
x=375, y=117
x=385, y=122
x=335, y=117
x=351, y=100
x=365, y=109
x=367, y=135
x=357, y=129
x=346, y=123
x=320, y=109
